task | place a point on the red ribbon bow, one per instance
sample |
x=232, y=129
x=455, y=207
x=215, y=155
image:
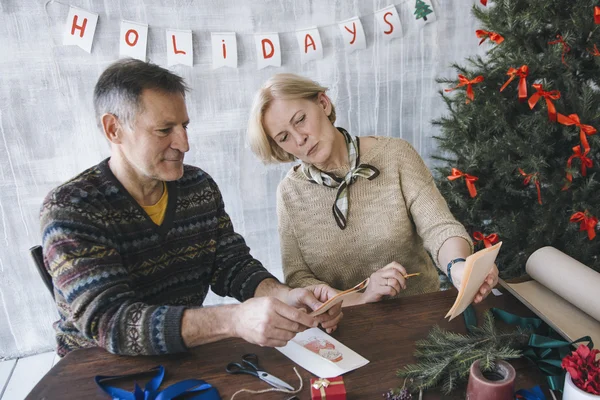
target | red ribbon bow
x=522, y=72
x=554, y=95
x=469, y=180
x=535, y=177
x=566, y=47
x=488, y=240
x=484, y=2
x=587, y=223
x=462, y=81
x=493, y=36
x=585, y=162
x=595, y=52
x=597, y=15
x=584, y=132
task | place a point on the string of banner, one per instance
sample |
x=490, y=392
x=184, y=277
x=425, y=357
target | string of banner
x=80, y=29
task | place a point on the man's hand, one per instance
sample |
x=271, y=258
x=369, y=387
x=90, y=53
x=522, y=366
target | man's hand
x=312, y=297
x=388, y=281
x=490, y=282
x=267, y=321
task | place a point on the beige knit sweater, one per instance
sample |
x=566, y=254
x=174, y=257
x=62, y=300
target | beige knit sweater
x=398, y=216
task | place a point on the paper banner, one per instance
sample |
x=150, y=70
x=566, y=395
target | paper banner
x=268, y=52
x=353, y=34
x=179, y=47
x=423, y=12
x=389, y=22
x=224, y=49
x=310, y=45
x=80, y=28
x=133, y=40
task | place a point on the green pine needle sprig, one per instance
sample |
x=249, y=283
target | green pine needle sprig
x=444, y=357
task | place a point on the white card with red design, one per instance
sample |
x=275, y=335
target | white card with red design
x=322, y=355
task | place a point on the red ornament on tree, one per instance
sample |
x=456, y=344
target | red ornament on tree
x=535, y=178
x=522, y=73
x=493, y=36
x=552, y=95
x=462, y=81
x=488, y=240
x=587, y=222
x=566, y=47
x=585, y=130
x=585, y=162
x=469, y=180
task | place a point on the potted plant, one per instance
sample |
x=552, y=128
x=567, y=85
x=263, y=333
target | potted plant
x=583, y=374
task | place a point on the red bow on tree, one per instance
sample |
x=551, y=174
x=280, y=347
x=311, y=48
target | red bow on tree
x=462, y=81
x=469, y=179
x=488, y=240
x=484, y=2
x=585, y=130
x=566, y=47
x=493, y=36
x=551, y=95
x=585, y=162
x=595, y=52
x=535, y=178
x=597, y=15
x=522, y=72
x=587, y=223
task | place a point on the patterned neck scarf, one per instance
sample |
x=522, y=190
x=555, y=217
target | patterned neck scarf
x=315, y=175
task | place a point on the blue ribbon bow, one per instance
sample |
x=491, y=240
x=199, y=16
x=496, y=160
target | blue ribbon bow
x=150, y=392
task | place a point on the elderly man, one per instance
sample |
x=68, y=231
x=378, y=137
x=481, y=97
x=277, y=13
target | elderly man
x=134, y=243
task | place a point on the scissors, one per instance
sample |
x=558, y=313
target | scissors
x=250, y=366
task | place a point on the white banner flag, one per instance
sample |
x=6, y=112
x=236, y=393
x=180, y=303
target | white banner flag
x=224, y=49
x=353, y=34
x=80, y=28
x=179, y=47
x=423, y=12
x=267, y=50
x=309, y=42
x=133, y=41
x=389, y=22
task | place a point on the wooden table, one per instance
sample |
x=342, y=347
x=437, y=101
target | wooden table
x=384, y=333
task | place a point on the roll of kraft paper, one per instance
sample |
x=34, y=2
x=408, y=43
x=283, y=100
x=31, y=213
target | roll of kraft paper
x=567, y=277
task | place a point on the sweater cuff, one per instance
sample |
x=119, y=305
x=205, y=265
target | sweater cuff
x=171, y=341
x=252, y=282
x=450, y=233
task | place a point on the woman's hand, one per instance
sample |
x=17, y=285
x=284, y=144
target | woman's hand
x=490, y=282
x=388, y=281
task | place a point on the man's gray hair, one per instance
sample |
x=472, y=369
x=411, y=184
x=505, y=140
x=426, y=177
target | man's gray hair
x=120, y=86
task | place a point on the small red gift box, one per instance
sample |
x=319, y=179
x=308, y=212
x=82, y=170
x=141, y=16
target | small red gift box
x=330, y=389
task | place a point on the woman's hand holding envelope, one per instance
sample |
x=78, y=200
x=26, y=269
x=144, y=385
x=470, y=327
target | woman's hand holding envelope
x=484, y=290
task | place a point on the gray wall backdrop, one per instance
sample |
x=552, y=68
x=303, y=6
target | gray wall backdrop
x=48, y=132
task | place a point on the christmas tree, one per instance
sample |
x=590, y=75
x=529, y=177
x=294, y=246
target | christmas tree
x=422, y=10
x=518, y=151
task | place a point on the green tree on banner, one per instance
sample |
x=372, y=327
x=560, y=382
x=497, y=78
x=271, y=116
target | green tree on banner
x=519, y=153
x=422, y=10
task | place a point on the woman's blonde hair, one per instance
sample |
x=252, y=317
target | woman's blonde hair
x=285, y=87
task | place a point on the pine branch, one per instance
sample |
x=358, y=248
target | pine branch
x=445, y=357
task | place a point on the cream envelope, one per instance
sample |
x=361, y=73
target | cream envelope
x=477, y=267
x=339, y=297
x=321, y=355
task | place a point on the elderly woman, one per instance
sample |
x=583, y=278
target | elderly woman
x=354, y=207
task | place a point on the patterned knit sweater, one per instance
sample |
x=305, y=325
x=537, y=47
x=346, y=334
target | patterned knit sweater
x=122, y=282
x=398, y=216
